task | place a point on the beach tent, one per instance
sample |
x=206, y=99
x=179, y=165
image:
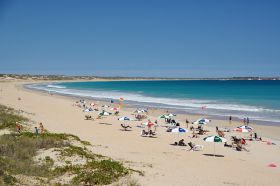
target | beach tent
x=215, y=139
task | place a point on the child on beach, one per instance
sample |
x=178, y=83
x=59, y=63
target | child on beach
x=18, y=127
x=41, y=127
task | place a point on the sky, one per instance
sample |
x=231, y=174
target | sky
x=150, y=38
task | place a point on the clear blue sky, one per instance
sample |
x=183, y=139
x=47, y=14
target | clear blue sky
x=174, y=38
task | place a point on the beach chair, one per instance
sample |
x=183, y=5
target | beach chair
x=198, y=148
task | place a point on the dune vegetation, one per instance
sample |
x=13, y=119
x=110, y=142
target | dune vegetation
x=49, y=158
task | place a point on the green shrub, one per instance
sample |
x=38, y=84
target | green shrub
x=9, y=117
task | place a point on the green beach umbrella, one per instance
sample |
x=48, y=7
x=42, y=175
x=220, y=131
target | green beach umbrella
x=215, y=139
x=104, y=113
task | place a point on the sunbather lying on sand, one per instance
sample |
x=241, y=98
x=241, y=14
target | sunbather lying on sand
x=125, y=126
x=180, y=143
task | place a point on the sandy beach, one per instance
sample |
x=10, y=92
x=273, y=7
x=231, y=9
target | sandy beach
x=162, y=163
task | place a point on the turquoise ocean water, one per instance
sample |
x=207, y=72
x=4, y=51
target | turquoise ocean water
x=259, y=100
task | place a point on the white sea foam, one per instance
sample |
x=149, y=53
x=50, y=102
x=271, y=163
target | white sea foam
x=55, y=86
x=212, y=106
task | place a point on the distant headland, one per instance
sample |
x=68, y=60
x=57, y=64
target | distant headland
x=88, y=77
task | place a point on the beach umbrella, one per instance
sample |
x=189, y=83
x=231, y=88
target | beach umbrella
x=241, y=130
x=140, y=111
x=150, y=124
x=164, y=116
x=171, y=115
x=246, y=127
x=125, y=118
x=214, y=139
x=202, y=121
x=179, y=130
x=104, y=113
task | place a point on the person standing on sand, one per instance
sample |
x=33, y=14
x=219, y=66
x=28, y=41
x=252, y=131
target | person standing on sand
x=230, y=119
x=247, y=121
x=187, y=122
x=36, y=130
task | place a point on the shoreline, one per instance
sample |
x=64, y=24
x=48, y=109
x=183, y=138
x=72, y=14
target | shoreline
x=221, y=119
x=214, y=113
x=161, y=162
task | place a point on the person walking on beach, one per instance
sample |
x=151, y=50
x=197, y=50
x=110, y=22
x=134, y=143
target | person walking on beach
x=247, y=121
x=230, y=119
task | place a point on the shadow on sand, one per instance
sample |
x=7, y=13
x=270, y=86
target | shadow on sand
x=215, y=155
x=105, y=123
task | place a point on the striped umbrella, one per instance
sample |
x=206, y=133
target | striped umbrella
x=215, y=139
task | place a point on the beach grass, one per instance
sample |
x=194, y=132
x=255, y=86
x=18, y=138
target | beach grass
x=17, y=152
x=9, y=117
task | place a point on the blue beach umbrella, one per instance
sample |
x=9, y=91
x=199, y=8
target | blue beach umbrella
x=179, y=130
x=125, y=118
